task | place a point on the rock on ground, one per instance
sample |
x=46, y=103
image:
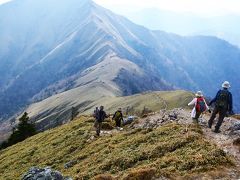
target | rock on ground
x=47, y=173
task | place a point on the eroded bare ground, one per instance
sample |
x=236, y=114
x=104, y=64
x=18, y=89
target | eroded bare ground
x=230, y=132
x=225, y=140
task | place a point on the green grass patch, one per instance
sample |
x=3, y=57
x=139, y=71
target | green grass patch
x=171, y=150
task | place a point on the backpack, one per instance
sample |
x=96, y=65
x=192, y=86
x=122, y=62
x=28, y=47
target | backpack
x=101, y=116
x=117, y=115
x=200, y=106
x=96, y=113
x=222, y=99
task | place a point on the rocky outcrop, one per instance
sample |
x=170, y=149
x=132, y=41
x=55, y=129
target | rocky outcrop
x=235, y=128
x=47, y=173
x=163, y=117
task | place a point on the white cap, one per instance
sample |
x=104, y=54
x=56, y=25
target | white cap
x=226, y=84
x=199, y=94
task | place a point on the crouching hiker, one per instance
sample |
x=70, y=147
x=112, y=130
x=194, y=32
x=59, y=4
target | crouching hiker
x=200, y=106
x=223, y=104
x=118, y=117
x=100, y=118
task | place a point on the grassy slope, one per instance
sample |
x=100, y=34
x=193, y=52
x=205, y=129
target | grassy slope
x=171, y=150
x=52, y=110
x=152, y=100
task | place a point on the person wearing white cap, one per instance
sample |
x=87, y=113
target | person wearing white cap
x=223, y=104
x=200, y=106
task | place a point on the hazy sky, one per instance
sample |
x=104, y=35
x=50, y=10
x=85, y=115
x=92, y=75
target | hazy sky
x=200, y=7
x=3, y=1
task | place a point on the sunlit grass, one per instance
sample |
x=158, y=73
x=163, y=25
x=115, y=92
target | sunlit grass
x=171, y=150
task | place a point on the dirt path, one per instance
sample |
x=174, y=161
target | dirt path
x=224, y=139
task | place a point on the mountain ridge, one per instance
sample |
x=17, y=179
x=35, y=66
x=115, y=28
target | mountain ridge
x=168, y=61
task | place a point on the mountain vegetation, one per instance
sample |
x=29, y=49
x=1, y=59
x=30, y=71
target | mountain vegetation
x=55, y=51
x=171, y=151
x=23, y=130
x=46, y=116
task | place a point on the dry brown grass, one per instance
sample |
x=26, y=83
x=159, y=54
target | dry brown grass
x=104, y=177
x=141, y=174
x=132, y=153
x=236, y=116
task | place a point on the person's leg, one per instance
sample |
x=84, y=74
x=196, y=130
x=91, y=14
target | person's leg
x=98, y=128
x=222, y=114
x=95, y=124
x=213, y=116
x=118, y=123
x=197, y=117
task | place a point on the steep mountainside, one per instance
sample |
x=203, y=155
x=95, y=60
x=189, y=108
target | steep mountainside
x=76, y=45
x=155, y=147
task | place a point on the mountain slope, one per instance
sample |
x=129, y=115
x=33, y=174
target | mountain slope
x=63, y=47
x=58, y=109
x=69, y=58
x=222, y=26
x=170, y=151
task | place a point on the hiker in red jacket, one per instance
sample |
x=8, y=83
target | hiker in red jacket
x=200, y=106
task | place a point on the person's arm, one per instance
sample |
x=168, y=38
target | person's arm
x=114, y=116
x=206, y=104
x=207, y=107
x=105, y=115
x=121, y=116
x=193, y=102
x=215, y=98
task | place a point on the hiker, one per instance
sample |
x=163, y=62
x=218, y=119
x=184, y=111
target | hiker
x=100, y=118
x=95, y=113
x=118, y=117
x=200, y=106
x=223, y=104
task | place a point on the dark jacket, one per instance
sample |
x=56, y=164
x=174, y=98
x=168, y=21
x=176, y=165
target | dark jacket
x=229, y=105
x=101, y=116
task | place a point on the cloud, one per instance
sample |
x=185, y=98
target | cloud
x=202, y=7
x=4, y=1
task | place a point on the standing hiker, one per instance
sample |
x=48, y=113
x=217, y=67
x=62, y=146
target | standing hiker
x=200, y=106
x=95, y=113
x=223, y=104
x=101, y=116
x=118, y=117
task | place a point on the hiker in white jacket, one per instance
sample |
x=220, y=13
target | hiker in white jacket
x=200, y=106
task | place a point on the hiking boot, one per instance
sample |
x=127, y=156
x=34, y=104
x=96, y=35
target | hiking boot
x=209, y=126
x=217, y=131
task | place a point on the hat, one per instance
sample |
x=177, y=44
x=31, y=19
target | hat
x=226, y=84
x=199, y=94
